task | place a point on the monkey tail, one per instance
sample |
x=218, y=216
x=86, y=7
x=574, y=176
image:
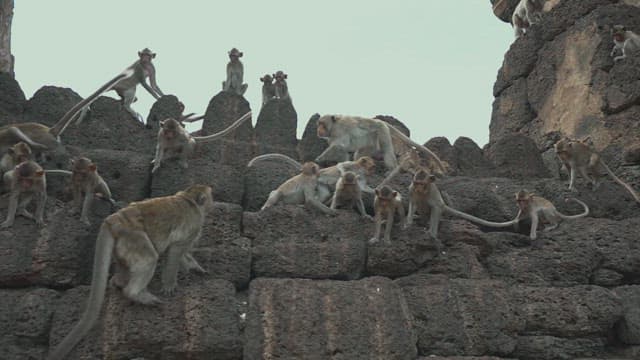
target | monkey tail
x=242, y=119
x=571, y=217
x=63, y=172
x=424, y=149
x=619, y=181
x=478, y=220
x=101, y=262
x=62, y=124
x=275, y=156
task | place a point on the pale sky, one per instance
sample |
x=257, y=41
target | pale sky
x=429, y=63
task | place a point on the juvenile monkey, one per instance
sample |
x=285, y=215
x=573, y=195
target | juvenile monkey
x=626, y=41
x=85, y=179
x=533, y=206
x=268, y=89
x=386, y=203
x=581, y=156
x=280, y=85
x=235, y=73
x=175, y=141
x=39, y=137
x=136, y=236
x=125, y=85
x=348, y=193
x=328, y=177
x=26, y=179
x=300, y=189
x=527, y=13
x=352, y=134
x=15, y=155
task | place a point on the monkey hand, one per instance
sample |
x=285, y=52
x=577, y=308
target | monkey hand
x=40, y=222
x=368, y=217
x=168, y=290
x=373, y=240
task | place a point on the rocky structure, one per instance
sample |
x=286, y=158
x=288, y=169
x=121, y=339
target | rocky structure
x=289, y=283
x=6, y=16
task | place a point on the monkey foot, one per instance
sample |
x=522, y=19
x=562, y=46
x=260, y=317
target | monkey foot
x=373, y=240
x=146, y=298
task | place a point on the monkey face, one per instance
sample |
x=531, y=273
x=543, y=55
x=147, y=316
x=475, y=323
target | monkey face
x=310, y=168
x=267, y=79
x=324, y=126
x=20, y=152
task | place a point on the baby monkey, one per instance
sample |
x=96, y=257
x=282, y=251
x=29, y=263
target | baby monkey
x=386, y=203
x=625, y=41
x=534, y=207
x=25, y=180
x=348, y=193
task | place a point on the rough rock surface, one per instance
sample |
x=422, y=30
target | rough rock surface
x=276, y=128
x=310, y=146
x=12, y=100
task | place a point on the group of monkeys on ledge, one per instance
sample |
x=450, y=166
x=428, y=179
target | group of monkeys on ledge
x=138, y=234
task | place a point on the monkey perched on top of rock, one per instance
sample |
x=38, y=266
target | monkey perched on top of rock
x=136, y=236
x=25, y=180
x=386, y=204
x=300, y=190
x=626, y=41
x=531, y=206
x=268, y=89
x=280, y=85
x=348, y=193
x=235, y=73
x=175, y=141
x=581, y=156
x=352, y=134
x=125, y=85
x=527, y=13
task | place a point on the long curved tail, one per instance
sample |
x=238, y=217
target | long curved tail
x=619, y=181
x=571, y=217
x=478, y=220
x=422, y=148
x=275, y=156
x=203, y=139
x=60, y=172
x=62, y=124
x=104, y=248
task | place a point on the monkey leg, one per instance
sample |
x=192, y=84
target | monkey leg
x=323, y=193
x=140, y=257
x=388, y=227
x=243, y=89
x=88, y=199
x=120, y=276
x=411, y=212
x=572, y=179
x=376, y=236
x=434, y=223
x=273, y=199
x=175, y=256
x=361, y=210
x=42, y=199
x=534, y=226
x=128, y=97
x=11, y=212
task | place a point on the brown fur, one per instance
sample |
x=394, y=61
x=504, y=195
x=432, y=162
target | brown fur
x=386, y=203
x=25, y=180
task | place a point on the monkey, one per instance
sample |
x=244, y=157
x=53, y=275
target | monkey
x=235, y=72
x=280, y=85
x=348, y=193
x=26, y=179
x=85, y=179
x=300, y=189
x=581, y=156
x=626, y=41
x=386, y=203
x=175, y=140
x=125, y=85
x=531, y=206
x=352, y=134
x=527, y=13
x=136, y=236
x=268, y=89
x=16, y=154
x=328, y=177
x=408, y=162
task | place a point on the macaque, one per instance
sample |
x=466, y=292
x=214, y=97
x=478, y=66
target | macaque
x=527, y=13
x=26, y=180
x=125, y=85
x=175, y=141
x=235, y=73
x=348, y=193
x=386, y=204
x=328, y=177
x=136, y=236
x=581, y=156
x=268, y=89
x=531, y=206
x=626, y=41
x=85, y=179
x=300, y=189
x=426, y=198
x=280, y=85
x=15, y=155
x=352, y=134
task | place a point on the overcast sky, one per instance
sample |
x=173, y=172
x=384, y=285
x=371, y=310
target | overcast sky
x=429, y=63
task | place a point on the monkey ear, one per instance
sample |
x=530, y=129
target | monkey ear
x=153, y=55
x=93, y=167
x=394, y=193
x=285, y=76
x=333, y=118
x=262, y=79
x=201, y=199
x=39, y=173
x=432, y=177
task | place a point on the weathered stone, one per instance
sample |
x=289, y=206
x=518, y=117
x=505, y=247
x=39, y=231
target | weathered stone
x=310, y=146
x=628, y=329
x=517, y=156
x=12, y=100
x=49, y=104
x=168, y=106
x=262, y=178
x=276, y=128
x=306, y=319
x=223, y=109
x=290, y=241
x=199, y=322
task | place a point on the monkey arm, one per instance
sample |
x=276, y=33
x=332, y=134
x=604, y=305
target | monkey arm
x=149, y=89
x=311, y=201
x=391, y=175
x=23, y=137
